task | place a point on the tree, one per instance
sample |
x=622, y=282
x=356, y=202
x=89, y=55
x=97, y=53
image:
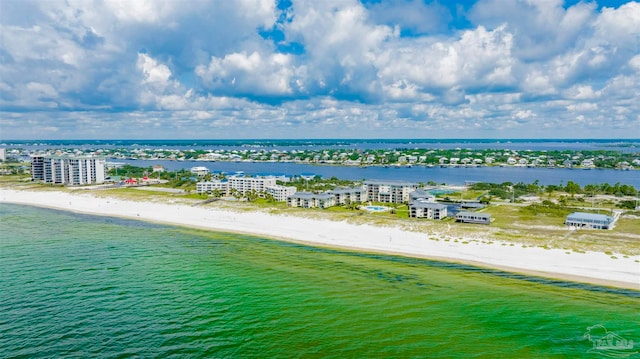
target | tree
x=235, y=193
x=251, y=195
x=572, y=188
x=591, y=189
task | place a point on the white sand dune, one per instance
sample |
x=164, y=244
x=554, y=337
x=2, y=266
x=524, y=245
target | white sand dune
x=591, y=267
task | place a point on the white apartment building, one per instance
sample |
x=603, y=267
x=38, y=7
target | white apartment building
x=248, y=184
x=425, y=209
x=68, y=170
x=389, y=191
x=208, y=187
x=280, y=193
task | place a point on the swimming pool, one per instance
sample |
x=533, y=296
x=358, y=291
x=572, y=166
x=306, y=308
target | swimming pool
x=376, y=208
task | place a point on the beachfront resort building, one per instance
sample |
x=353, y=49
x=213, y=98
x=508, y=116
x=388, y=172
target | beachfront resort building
x=209, y=187
x=247, y=184
x=429, y=210
x=68, y=170
x=473, y=217
x=243, y=185
x=311, y=200
x=589, y=220
x=389, y=191
x=280, y=193
x=349, y=195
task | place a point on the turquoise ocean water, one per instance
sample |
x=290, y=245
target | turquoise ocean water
x=83, y=286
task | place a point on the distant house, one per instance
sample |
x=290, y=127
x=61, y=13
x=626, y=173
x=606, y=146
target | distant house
x=589, y=162
x=430, y=210
x=589, y=220
x=311, y=200
x=472, y=217
x=158, y=168
x=200, y=171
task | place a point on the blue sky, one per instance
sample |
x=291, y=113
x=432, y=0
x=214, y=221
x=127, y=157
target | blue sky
x=82, y=69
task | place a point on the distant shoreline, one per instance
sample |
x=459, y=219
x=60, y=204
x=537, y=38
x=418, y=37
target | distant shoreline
x=590, y=267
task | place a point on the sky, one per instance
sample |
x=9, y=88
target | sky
x=234, y=69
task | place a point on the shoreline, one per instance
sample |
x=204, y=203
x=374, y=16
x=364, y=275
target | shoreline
x=591, y=267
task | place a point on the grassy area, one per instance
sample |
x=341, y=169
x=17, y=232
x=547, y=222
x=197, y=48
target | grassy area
x=546, y=229
x=14, y=178
x=468, y=195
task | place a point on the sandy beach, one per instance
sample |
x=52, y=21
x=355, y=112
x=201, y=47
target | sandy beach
x=589, y=267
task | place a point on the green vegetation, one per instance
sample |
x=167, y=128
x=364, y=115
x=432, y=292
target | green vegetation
x=546, y=208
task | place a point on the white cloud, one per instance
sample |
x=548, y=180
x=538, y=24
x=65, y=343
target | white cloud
x=541, y=29
x=145, y=11
x=415, y=16
x=477, y=58
x=619, y=25
x=581, y=92
x=388, y=68
x=273, y=74
x=39, y=90
x=155, y=74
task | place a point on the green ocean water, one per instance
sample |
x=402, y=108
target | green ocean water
x=83, y=286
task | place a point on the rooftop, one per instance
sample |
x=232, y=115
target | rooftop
x=310, y=195
x=422, y=204
x=589, y=217
x=474, y=214
x=390, y=183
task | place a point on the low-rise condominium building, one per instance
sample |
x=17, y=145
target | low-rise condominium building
x=429, y=210
x=280, y=193
x=311, y=200
x=349, y=195
x=247, y=184
x=210, y=187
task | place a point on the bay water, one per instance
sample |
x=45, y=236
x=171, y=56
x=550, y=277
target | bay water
x=80, y=286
